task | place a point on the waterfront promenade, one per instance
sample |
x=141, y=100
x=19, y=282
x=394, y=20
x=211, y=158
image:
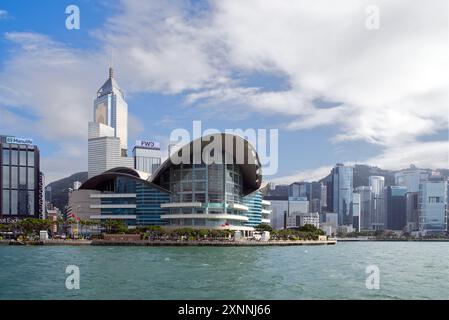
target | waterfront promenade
x=180, y=243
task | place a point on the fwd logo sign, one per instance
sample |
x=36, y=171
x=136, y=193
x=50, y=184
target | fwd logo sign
x=148, y=144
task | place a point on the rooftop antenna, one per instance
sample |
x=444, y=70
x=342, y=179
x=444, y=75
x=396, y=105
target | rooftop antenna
x=111, y=70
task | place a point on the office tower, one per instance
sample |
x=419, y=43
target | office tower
x=147, y=156
x=323, y=196
x=330, y=196
x=433, y=202
x=279, y=209
x=108, y=133
x=298, y=204
x=365, y=207
x=293, y=189
x=377, y=184
x=395, y=207
x=21, y=179
x=329, y=223
x=283, y=206
x=412, y=211
x=104, y=154
x=356, y=211
x=342, y=181
x=410, y=178
x=111, y=110
x=315, y=205
x=309, y=190
x=41, y=195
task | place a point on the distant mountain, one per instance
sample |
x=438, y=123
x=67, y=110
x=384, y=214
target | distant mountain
x=60, y=189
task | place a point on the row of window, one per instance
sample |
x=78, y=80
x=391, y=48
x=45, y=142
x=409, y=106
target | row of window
x=18, y=202
x=18, y=177
x=15, y=157
x=204, y=222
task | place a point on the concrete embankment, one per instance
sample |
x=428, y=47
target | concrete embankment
x=213, y=243
x=157, y=243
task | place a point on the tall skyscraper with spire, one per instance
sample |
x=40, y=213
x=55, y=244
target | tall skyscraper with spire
x=111, y=109
x=108, y=132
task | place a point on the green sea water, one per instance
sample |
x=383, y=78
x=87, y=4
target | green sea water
x=407, y=270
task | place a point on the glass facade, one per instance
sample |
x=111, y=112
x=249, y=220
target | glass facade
x=19, y=186
x=210, y=189
x=146, y=160
x=254, y=203
x=433, y=206
x=140, y=199
x=395, y=207
x=342, y=193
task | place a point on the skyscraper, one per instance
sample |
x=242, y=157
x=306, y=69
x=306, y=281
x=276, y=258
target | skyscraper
x=433, y=202
x=377, y=184
x=111, y=110
x=342, y=182
x=147, y=156
x=395, y=207
x=411, y=179
x=20, y=179
x=365, y=207
x=356, y=211
x=412, y=207
x=323, y=196
x=108, y=133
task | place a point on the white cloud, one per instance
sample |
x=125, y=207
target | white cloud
x=421, y=154
x=4, y=14
x=391, y=83
x=385, y=79
x=304, y=175
x=433, y=154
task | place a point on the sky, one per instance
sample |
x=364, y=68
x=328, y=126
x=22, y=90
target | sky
x=338, y=87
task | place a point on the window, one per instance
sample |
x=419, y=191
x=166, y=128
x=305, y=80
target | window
x=13, y=158
x=5, y=178
x=6, y=156
x=6, y=206
x=200, y=197
x=14, y=177
x=14, y=202
x=200, y=174
x=23, y=177
x=31, y=203
x=23, y=158
x=30, y=158
x=186, y=197
x=434, y=200
x=23, y=205
x=31, y=178
x=200, y=186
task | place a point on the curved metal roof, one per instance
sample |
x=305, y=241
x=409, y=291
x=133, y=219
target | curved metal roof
x=100, y=181
x=240, y=149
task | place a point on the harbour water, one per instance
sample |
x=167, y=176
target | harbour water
x=407, y=270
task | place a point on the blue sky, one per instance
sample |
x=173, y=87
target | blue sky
x=336, y=91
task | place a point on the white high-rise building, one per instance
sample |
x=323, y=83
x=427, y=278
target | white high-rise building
x=147, y=156
x=366, y=203
x=111, y=109
x=410, y=178
x=377, y=184
x=108, y=133
x=104, y=154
